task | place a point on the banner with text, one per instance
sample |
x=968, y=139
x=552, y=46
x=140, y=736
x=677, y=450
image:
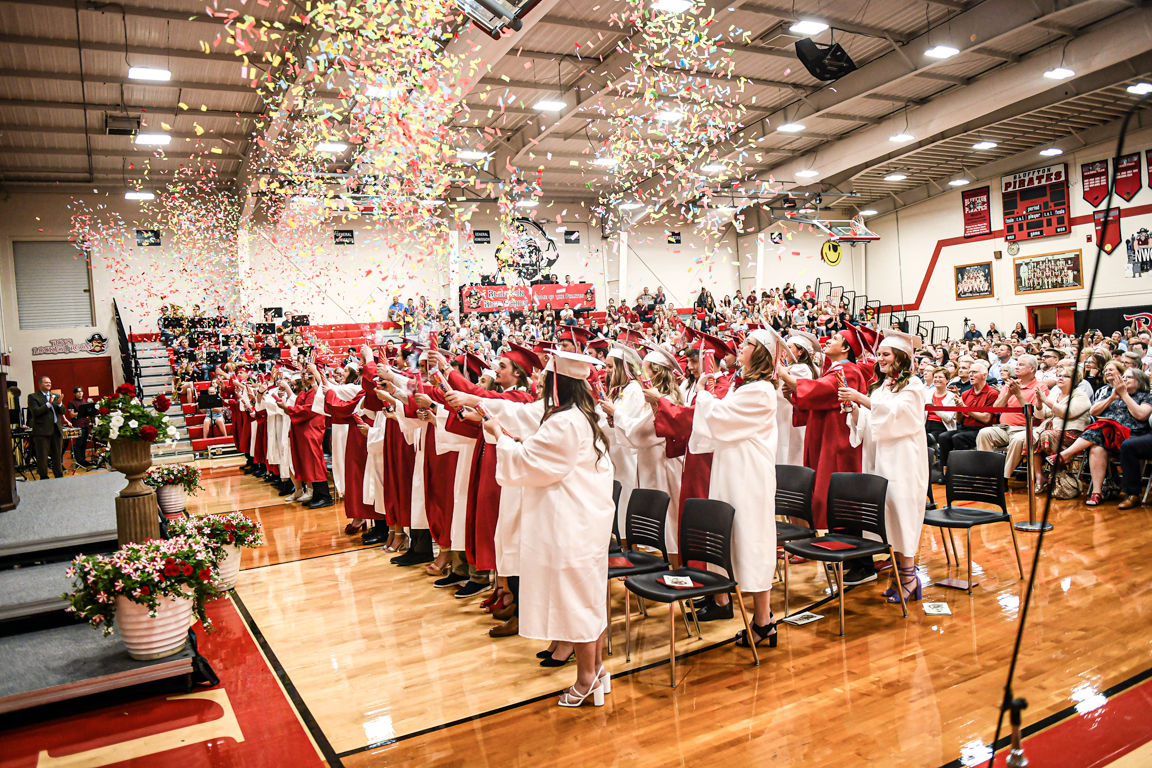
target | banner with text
x=1128, y=176
x=1094, y=180
x=520, y=298
x=977, y=212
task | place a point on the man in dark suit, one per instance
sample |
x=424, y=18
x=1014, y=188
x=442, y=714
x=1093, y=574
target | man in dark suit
x=46, y=412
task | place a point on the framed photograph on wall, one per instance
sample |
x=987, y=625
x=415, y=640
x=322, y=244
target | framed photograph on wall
x=1061, y=271
x=974, y=281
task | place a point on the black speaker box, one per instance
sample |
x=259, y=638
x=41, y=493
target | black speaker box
x=830, y=62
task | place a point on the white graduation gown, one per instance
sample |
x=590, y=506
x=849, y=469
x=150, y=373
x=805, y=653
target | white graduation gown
x=740, y=433
x=623, y=461
x=891, y=434
x=565, y=529
x=465, y=447
x=636, y=427
x=790, y=439
x=416, y=436
x=374, y=472
x=522, y=420
x=339, y=432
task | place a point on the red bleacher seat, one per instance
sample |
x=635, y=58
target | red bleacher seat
x=202, y=444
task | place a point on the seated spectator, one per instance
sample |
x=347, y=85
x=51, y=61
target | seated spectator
x=212, y=406
x=980, y=395
x=942, y=395
x=972, y=333
x=1020, y=389
x=1058, y=413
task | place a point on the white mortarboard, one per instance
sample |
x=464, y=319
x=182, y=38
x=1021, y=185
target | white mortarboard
x=626, y=353
x=660, y=356
x=770, y=340
x=905, y=342
x=489, y=373
x=805, y=340
x=354, y=365
x=571, y=364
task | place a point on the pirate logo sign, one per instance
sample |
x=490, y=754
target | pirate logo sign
x=831, y=252
x=527, y=251
x=473, y=300
x=1139, y=253
x=97, y=344
x=590, y=297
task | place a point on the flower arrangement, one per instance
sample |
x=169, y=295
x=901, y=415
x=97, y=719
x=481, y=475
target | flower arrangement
x=230, y=528
x=180, y=567
x=186, y=476
x=124, y=417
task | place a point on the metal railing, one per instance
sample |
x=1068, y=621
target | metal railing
x=129, y=362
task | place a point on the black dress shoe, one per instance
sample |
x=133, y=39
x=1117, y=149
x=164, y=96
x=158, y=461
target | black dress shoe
x=419, y=551
x=860, y=572
x=377, y=534
x=714, y=612
x=451, y=580
x=272, y=478
x=554, y=662
x=703, y=602
x=322, y=501
x=284, y=491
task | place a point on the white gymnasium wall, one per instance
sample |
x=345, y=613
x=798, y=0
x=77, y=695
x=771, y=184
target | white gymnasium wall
x=898, y=263
x=796, y=260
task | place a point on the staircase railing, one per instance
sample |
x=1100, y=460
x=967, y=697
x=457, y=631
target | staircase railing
x=129, y=362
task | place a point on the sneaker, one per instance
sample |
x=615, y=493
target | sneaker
x=471, y=589
x=857, y=575
x=451, y=580
x=714, y=612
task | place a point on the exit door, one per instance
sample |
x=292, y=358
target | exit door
x=72, y=372
x=1049, y=317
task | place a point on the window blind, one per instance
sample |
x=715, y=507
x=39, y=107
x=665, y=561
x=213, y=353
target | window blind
x=52, y=285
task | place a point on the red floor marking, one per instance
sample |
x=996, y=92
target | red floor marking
x=1097, y=738
x=174, y=731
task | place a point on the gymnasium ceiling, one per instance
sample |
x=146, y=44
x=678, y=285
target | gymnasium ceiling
x=64, y=66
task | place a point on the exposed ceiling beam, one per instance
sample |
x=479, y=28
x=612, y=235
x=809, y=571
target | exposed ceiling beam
x=844, y=25
x=992, y=53
x=160, y=111
x=177, y=53
x=55, y=131
x=140, y=155
x=135, y=11
x=71, y=77
x=954, y=79
x=592, y=26
x=956, y=5
x=852, y=118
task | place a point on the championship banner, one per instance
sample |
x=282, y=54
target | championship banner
x=1128, y=176
x=977, y=211
x=522, y=298
x=1148, y=164
x=1110, y=239
x=1094, y=180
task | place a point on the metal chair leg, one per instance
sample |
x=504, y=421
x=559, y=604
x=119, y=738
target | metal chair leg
x=899, y=583
x=747, y=627
x=609, y=632
x=643, y=606
x=785, y=585
x=840, y=592
x=672, y=641
x=627, y=624
x=695, y=620
x=684, y=615
x=968, y=552
x=1015, y=546
x=955, y=552
x=947, y=554
x=828, y=575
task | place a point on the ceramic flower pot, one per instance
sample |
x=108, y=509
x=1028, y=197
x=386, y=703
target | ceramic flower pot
x=153, y=638
x=230, y=566
x=132, y=458
x=172, y=499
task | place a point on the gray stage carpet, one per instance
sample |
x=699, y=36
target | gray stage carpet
x=62, y=512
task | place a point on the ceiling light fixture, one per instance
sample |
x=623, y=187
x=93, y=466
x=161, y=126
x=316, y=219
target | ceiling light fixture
x=1051, y=152
x=527, y=203
x=868, y=212
x=381, y=92
x=331, y=147
x=139, y=196
x=630, y=206
x=158, y=139
x=148, y=73
x=471, y=154
x=808, y=27
x=959, y=182
x=549, y=106
x=1059, y=73
x=941, y=52
x=713, y=168
x=901, y=137
x=670, y=116
x=671, y=6
x=605, y=162
x=791, y=127
x=984, y=145
x=431, y=203
x=895, y=177
x=1140, y=89
x=807, y=174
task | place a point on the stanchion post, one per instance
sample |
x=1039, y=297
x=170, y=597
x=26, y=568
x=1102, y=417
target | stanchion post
x=1032, y=526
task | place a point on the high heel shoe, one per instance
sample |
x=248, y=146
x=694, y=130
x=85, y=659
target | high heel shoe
x=605, y=680
x=552, y=661
x=352, y=529
x=766, y=632
x=908, y=577
x=573, y=697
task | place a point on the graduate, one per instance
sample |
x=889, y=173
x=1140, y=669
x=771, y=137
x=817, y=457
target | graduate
x=566, y=474
x=619, y=388
x=801, y=349
x=889, y=424
x=343, y=403
x=349, y=381
x=307, y=444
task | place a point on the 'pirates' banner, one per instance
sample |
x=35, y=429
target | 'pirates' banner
x=522, y=298
x=977, y=212
x=1107, y=228
x=1128, y=176
x=1094, y=180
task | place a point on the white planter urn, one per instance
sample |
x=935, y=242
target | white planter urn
x=153, y=638
x=172, y=499
x=230, y=566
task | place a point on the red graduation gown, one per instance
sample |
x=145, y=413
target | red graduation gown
x=674, y=424
x=483, y=490
x=355, y=456
x=826, y=445
x=261, y=454
x=306, y=437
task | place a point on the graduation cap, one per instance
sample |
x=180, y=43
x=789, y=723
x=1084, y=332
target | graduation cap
x=541, y=347
x=599, y=343
x=524, y=357
x=804, y=340
x=770, y=340
x=905, y=342
x=659, y=356
x=855, y=341
x=625, y=353
x=576, y=335
x=718, y=345
x=571, y=364
x=629, y=336
x=474, y=363
x=869, y=338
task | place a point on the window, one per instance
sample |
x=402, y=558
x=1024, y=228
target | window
x=53, y=287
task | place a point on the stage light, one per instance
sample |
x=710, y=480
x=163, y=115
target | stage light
x=630, y=206
x=984, y=145
x=670, y=116
x=791, y=128
x=895, y=177
x=901, y=137
x=331, y=147
x=381, y=92
x=158, y=139
x=941, y=52
x=1059, y=73
x=807, y=174
x=1140, y=89
x=808, y=27
x=148, y=73
x=549, y=106
x=139, y=196
x=713, y=168
x=431, y=203
x=1051, y=152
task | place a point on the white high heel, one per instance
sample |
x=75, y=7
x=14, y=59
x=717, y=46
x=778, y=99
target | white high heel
x=291, y=496
x=572, y=698
x=605, y=680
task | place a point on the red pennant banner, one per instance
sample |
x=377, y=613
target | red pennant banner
x=1148, y=163
x=1128, y=176
x=977, y=212
x=1094, y=180
x=1107, y=228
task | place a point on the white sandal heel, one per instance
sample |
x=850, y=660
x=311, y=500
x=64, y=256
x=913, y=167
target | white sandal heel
x=572, y=698
x=605, y=681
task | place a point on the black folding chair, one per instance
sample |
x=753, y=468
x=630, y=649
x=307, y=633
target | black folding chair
x=794, y=486
x=972, y=476
x=855, y=501
x=705, y=536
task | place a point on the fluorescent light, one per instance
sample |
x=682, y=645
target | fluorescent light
x=605, y=162
x=868, y=212
x=791, y=127
x=806, y=174
x=160, y=139
x=941, y=52
x=901, y=137
x=713, y=168
x=630, y=206
x=331, y=146
x=431, y=203
x=1140, y=88
x=984, y=145
x=381, y=92
x=1059, y=73
x=527, y=203
x=808, y=27
x=139, y=196
x=471, y=154
x=958, y=182
x=670, y=116
x=148, y=73
x=1051, y=152
x=549, y=106
x=671, y=6
x=895, y=177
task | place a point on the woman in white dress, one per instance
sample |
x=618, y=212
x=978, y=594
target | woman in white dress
x=801, y=348
x=566, y=476
x=740, y=433
x=890, y=427
x=621, y=389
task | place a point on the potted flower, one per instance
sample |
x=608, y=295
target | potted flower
x=225, y=534
x=174, y=483
x=130, y=428
x=149, y=592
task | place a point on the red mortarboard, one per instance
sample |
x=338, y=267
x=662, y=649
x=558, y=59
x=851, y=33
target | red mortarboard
x=721, y=347
x=540, y=347
x=869, y=337
x=629, y=336
x=524, y=357
x=576, y=335
x=474, y=363
x=599, y=343
x=852, y=335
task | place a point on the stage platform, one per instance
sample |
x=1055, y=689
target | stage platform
x=33, y=590
x=64, y=663
x=62, y=513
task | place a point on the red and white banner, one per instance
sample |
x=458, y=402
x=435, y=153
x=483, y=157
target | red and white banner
x=520, y=298
x=1128, y=176
x=1110, y=239
x=1094, y=180
x=1148, y=164
x=977, y=212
